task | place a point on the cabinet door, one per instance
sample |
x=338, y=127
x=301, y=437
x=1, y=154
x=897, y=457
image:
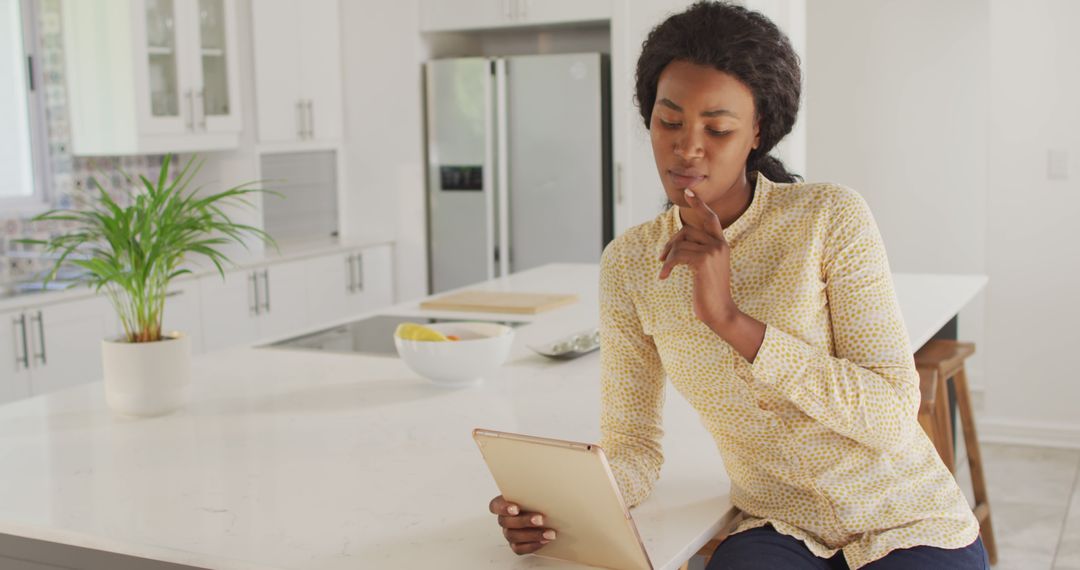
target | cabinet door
x=65, y=342
x=166, y=101
x=14, y=357
x=440, y=15
x=214, y=65
x=377, y=277
x=183, y=313
x=320, y=68
x=557, y=11
x=277, y=67
x=228, y=310
x=283, y=296
x=330, y=286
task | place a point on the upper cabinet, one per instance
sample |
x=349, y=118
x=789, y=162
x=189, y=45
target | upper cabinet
x=298, y=70
x=441, y=16
x=151, y=76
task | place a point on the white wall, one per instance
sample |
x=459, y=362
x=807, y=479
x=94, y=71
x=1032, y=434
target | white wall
x=941, y=115
x=1032, y=235
x=384, y=134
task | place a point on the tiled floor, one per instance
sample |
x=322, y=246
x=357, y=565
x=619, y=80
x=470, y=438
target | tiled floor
x=1035, y=505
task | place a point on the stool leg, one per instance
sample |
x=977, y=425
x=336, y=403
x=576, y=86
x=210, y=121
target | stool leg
x=978, y=481
x=943, y=424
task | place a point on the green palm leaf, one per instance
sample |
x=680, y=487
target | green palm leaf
x=132, y=253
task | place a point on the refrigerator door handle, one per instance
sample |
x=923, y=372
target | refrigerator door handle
x=618, y=183
x=488, y=182
x=503, y=169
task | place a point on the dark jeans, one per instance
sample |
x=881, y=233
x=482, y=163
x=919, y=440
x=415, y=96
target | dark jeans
x=765, y=549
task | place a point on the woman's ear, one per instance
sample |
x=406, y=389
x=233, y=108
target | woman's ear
x=757, y=133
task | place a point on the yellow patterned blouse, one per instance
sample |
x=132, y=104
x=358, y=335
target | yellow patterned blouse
x=819, y=434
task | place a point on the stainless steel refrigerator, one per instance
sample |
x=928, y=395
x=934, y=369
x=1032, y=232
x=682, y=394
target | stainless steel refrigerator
x=518, y=164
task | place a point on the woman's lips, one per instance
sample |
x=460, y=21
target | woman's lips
x=685, y=180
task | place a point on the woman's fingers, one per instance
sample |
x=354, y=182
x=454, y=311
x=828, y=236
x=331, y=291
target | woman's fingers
x=711, y=220
x=682, y=252
x=500, y=506
x=526, y=547
x=519, y=536
x=692, y=235
x=524, y=531
x=527, y=520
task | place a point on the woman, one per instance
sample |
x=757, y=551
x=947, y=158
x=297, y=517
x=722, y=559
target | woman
x=769, y=305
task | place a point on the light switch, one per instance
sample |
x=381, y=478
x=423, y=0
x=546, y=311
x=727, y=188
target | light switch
x=1057, y=164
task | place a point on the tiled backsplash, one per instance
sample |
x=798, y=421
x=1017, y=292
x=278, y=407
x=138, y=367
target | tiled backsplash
x=72, y=179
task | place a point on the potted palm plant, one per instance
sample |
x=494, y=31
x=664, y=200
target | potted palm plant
x=131, y=253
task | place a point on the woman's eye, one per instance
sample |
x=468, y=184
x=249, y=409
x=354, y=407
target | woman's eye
x=717, y=133
x=668, y=125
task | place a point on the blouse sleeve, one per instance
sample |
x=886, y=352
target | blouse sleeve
x=868, y=389
x=631, y=388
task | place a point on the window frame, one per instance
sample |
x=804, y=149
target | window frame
x=41, y=200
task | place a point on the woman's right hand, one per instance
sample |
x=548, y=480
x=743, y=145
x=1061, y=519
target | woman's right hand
x=524, y=531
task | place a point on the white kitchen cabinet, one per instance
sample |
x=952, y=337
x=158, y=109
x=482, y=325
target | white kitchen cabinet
x=14, y=357
x=440, y=15
x=66, y=343
x=255, y=304
x=229, y=309
x=332, y=286
x=151, y=76
x=345, y=284
x=183, y=312
x=46, y=348
x=284, y=309
x=298, y=70
x=376, y=280
x=535, y=12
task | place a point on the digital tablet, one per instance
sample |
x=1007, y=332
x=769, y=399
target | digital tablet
x=572, y=485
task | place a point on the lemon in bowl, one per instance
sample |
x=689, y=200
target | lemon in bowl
x=454, y=355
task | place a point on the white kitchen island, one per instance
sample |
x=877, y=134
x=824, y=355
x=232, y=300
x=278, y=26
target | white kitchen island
x=305, y=460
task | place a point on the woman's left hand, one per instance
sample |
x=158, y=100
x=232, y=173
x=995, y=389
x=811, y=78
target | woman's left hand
x=709, y=257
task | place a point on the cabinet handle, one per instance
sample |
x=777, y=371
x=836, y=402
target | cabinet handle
x=253, y=308
x=311, y=118
x=300, y=119
x=349, y=282
x=20, y=324
x=191, y=109
x=41, y=337
x=201, y=96
x=266, y=289
x=359, y=273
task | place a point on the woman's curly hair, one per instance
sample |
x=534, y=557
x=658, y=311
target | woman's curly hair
x=739, y=42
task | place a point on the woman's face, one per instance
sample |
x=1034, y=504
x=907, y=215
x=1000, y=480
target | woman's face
x=703, y=128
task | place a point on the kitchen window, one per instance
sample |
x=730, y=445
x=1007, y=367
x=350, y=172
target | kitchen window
x=22, y=146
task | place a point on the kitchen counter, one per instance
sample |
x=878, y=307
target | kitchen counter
x=294, y=460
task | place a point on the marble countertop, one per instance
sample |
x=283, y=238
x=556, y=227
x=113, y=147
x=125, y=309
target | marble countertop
x=293, y=460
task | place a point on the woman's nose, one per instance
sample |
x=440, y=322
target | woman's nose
x=689, y=145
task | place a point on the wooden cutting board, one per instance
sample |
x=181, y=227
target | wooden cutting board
x=499, y=302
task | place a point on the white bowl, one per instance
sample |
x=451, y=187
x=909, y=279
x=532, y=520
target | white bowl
x=481, y=351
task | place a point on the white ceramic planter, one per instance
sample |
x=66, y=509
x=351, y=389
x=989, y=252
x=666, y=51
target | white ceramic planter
x=147, y=378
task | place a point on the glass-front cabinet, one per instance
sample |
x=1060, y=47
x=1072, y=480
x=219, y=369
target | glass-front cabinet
x=172, y=88
x=163, y=68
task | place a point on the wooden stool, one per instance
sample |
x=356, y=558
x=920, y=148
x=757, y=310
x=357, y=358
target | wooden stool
x=937, y=362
